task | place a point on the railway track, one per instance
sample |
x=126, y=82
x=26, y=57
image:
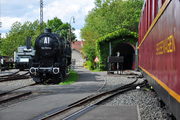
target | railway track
x=12, y=94
x=14, y=76
x=77, y=108
x=9, y=74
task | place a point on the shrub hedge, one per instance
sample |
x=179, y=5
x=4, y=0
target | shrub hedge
x=117, y=37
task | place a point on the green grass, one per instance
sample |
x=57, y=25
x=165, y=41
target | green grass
x=96, y=70
x=73, y=77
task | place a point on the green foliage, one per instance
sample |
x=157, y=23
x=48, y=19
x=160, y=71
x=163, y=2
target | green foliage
x=19, y=33
x=109, y=20
x=98, y=3
x=90, y=50
x=73, y=77
x=61, y=28
x=89, y=65
x=112, y=15
x=120, y=34
x=96, y=70
x=117, y=37
x=54, y=24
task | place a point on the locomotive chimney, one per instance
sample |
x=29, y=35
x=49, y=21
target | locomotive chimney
x=28, y=42
x=47, y=30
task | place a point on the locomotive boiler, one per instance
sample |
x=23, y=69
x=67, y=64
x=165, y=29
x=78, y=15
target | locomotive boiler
x=52, y=58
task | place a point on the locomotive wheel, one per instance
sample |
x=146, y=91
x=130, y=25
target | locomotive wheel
x=37, y=80
x=56, y=80
x=64, y=73
x=21, y=69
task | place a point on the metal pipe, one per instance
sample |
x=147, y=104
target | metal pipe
x=72, y=18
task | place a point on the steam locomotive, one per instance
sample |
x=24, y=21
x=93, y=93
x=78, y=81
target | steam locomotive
x=23, y=55
x=52, y=58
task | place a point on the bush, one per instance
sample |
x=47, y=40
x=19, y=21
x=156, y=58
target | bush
x=73, y=77
x=117, y=37
x=89, y=65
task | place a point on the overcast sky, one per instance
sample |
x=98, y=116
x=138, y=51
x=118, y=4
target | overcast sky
x=28, y=10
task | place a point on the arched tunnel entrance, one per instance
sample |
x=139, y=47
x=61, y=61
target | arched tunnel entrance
x=128, y=52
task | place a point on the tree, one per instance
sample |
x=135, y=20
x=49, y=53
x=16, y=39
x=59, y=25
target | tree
x=109, y=16
x=19, y=33
x=98, y=3
x=61, y=28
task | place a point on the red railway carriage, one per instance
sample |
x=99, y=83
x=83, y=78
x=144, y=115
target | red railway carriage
x=159, y=49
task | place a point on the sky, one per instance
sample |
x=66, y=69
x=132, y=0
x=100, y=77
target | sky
x=28, y=10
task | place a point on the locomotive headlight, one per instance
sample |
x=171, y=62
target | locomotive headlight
x=33, y=70
x=24, y=60
x=55, y=70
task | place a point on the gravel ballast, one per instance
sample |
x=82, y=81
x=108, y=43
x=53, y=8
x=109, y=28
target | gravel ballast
x=147, y=100
x=11, y=85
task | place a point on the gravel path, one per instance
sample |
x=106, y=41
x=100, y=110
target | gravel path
x=78, y=58
x=10, y=85
x=146, y=100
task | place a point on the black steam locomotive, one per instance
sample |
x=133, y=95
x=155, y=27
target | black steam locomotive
x=23, y=55
x=52, y=58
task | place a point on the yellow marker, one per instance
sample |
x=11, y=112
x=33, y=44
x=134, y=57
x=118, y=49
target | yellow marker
x=166, y=46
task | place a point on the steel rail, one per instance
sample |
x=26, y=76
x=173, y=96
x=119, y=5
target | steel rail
x=19, y=77
x=15, y=77
x=13, y=96
x=10, y=74
x=14, y=74
x=9, y=91
x=83, y=111
x=85, y=100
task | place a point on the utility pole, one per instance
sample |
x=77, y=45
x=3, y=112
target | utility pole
x=0, y=26
x=41, y=16
x=73, y=20
x=0, y=21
